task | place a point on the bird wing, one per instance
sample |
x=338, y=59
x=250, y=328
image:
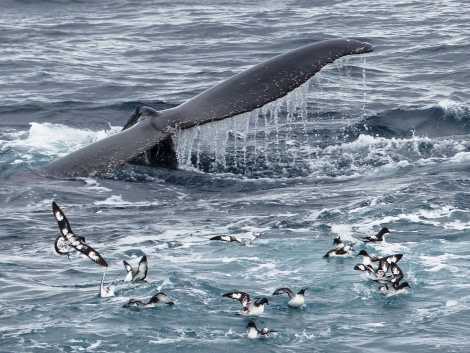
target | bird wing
x=397, y=273
x=383, y=265
x=130, y=271
x=251, y=241
x=284, y=290
x=362, y=267
x=384, y=289
x=142, y=270
x=242, y=297
x=393, y=258
x=161, y=298
x=329, y=253
x=91, y=253
x=220, y=237
x=61, y=219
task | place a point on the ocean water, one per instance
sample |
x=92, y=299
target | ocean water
x=374, y=140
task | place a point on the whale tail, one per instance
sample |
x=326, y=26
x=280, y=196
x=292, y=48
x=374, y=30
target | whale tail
x=241, y=93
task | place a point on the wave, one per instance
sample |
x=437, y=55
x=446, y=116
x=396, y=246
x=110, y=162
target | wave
x=447, y=119
x=287, y=138
x=271, y=142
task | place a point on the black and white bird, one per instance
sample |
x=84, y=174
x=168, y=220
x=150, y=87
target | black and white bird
x=69, y=239
x=378, y=275
x=156, y=299
x=227, y=238
x=380, y=236
x=231, y=238
x=369, y=260
x=136, y=275
x=253, y=307
x=341, y=249
x=394, y=287
x=106, y=291
x=254, y=332
x=296, y=300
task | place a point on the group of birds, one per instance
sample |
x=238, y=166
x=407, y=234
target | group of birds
x=375, y=268
x=255, y=307
x=69, y=240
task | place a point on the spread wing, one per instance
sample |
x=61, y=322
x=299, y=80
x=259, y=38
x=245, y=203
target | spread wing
x=130, y=271
x=362, y=267
x=91, y=253
x=70, y=239
x=62, y=221
x=393, y=258
x=242, y=297
x=251, y=241
x=142, y=270
x=284, y=290
x=397, y=273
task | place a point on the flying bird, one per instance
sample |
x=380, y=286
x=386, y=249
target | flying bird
x=69, y=239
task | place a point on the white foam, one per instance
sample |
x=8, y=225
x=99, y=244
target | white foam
x=51, y=140
x=457, y=109
x=438, y=263
x=116, y=200
x=451, y=303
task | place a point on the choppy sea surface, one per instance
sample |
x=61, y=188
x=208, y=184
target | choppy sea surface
x=373, y=140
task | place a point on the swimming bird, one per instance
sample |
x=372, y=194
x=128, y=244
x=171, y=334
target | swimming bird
x=69, y=239
x=231, y=238
x=341, y=249
x=106, y=291
x=253, y=307
x=395, y=287
x=378, y=275
x=296, y=300
x=140, y=274
x=254, y=332
x=368, y=260
x=228, y=238
x=156, y=299
x=376, y=237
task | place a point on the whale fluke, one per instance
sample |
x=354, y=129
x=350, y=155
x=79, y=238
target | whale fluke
x=241, y=93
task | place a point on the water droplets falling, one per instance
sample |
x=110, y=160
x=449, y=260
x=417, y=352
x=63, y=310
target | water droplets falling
x=281, y=138
x=251, y=143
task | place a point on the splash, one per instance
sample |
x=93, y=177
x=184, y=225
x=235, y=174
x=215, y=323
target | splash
x=279, y=138
x=254, y=141
x=45, y=141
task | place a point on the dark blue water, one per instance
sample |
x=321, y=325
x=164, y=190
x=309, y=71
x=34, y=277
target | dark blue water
x=375, y=140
